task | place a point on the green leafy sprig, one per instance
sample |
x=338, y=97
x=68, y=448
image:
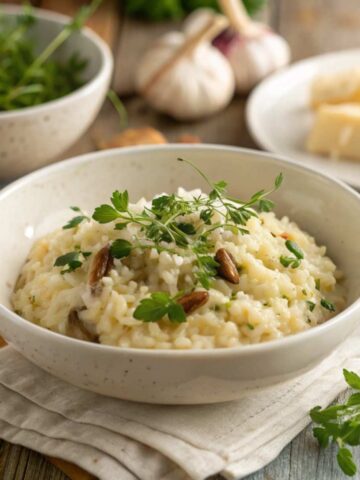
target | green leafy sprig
x=72, y=260
x=119, y=107
x=163, y=224
x=340, y=424
x=159, y=305
x=75, y=221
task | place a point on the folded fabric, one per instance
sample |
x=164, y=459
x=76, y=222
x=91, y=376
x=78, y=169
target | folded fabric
x=117, y=439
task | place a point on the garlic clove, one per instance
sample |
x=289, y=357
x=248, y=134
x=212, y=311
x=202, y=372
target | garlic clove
x=253, y=49
x=256, y=58
x=184, y=76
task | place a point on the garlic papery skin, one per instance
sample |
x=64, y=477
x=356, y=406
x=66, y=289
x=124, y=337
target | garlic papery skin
x=253, y=49
x=253, y=59
x=186, y=77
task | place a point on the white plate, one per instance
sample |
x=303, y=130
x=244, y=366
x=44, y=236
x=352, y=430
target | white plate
x=280, y=119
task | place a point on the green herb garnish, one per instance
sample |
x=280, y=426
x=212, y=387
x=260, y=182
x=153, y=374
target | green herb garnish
x=28, y=78
x=158, y=306
x=294, y=248
x=162, y=223
x=157, y=10
x=311, y=305
x=120, y=248
x=73, y=260
x=75, y=221
x=327, y=305
x=317, y=284
x=293, y=262
x=340, y=424
x=289, y=262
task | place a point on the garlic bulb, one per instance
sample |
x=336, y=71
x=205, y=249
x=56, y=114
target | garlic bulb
x=253, y=49
x=184, y=76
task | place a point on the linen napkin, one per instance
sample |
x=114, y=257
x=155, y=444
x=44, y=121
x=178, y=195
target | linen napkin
x=116, y=439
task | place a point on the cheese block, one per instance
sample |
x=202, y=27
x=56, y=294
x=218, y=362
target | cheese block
x=336, y=131
x=334, y=88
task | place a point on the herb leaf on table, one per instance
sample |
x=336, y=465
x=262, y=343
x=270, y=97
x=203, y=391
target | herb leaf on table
x=340, y=424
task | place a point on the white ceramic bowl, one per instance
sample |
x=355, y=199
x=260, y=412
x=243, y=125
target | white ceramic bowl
x=35, y=136
x=326, y=208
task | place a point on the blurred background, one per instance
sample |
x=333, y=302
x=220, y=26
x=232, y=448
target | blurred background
x=310, y=27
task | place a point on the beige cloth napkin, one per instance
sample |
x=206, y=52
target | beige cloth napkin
x=117, y=439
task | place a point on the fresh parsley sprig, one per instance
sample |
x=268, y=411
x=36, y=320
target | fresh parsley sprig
x=72, y=260
x=75, y=221
x=163, y=222
x=340, y=424
x=159, y=305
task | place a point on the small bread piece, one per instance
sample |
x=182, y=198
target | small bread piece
x=336, y=131
x=334, y=88
x=134, y=136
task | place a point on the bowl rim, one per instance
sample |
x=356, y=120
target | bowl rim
x=97, y=79
x=242, y=350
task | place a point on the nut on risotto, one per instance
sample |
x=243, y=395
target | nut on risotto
x=183, y=271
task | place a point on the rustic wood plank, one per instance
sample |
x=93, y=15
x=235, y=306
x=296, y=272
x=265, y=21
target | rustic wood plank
x=72, y=471
x=226, y=128
x=18, y=463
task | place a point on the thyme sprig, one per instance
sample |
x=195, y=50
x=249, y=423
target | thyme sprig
x=163, y=223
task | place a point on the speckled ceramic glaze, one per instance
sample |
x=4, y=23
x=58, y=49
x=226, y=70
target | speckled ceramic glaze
x=324, y=207
x=35, y=136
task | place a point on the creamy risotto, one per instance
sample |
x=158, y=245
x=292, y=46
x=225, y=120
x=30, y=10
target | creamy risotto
x=180, y=272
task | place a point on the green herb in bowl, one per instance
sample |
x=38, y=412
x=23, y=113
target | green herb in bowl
x=28, y=79
x=54, y=76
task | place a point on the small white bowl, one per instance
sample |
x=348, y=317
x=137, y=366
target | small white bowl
x=326, y=208
x=35, y=136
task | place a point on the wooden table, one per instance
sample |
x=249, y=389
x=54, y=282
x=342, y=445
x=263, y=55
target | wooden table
x=311, y=27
